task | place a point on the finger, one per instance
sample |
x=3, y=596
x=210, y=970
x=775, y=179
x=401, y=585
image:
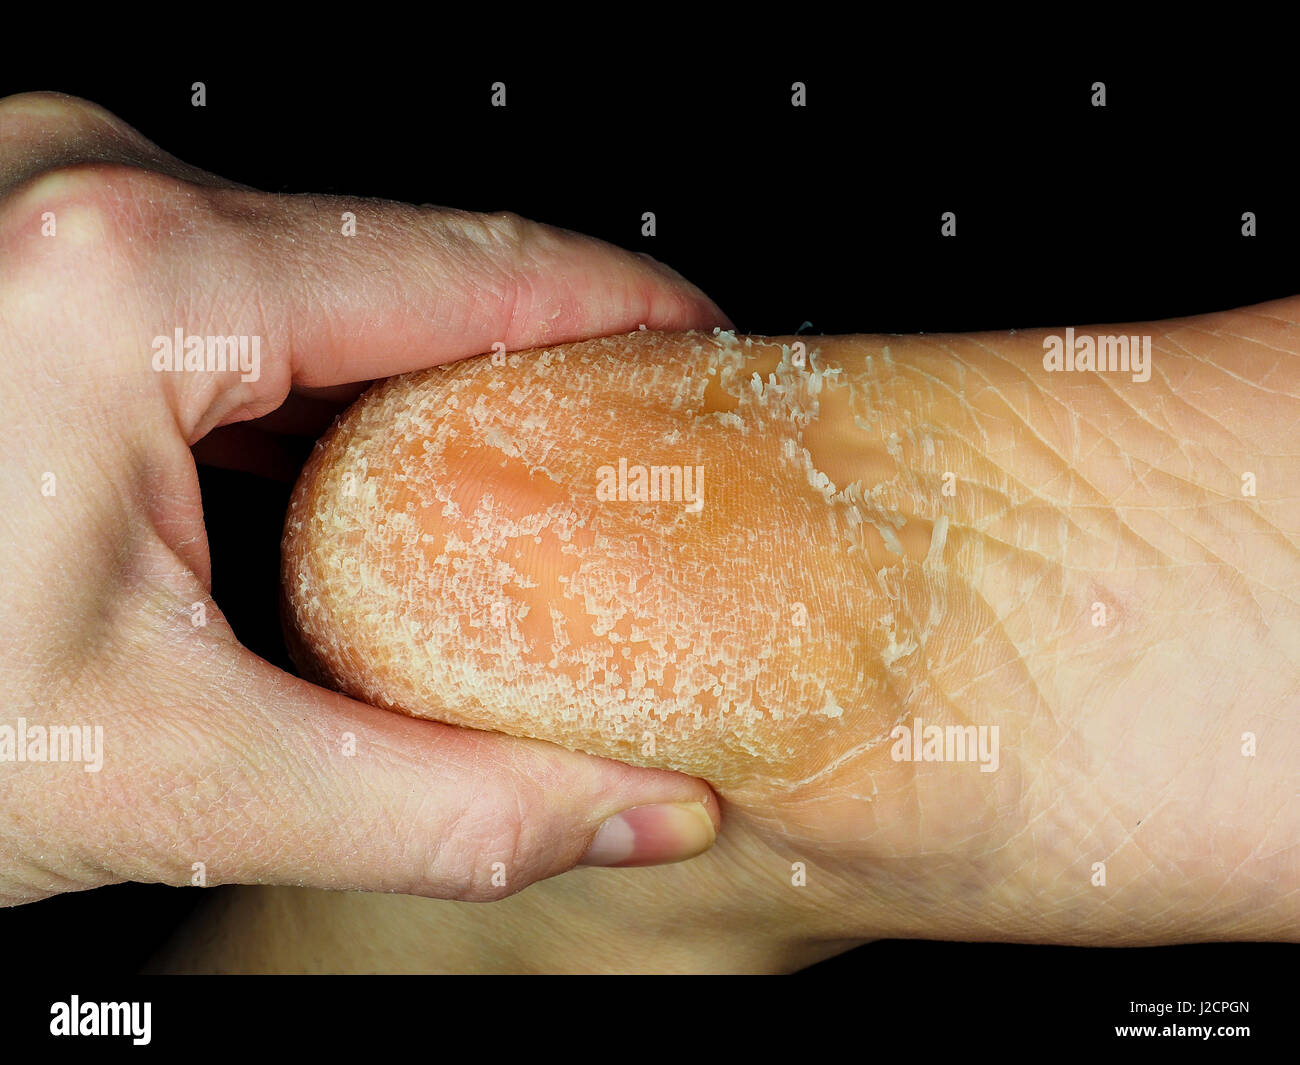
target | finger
x=268, y=779
x=328, y=290
x=414, y=288
x=43, y=131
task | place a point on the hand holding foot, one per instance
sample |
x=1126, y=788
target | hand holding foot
x=902, y=533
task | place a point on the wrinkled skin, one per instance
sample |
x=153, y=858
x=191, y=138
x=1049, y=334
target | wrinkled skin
x=218, y=767
x=1121, y=742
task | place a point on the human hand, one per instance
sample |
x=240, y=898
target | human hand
x=213, y=766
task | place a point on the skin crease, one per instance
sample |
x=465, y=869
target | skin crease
x=1120, y=743
x=215, y=761
x=214, y=755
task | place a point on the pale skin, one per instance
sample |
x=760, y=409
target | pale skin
x=1158, y=739
x=1141, y=721
x=215, y=764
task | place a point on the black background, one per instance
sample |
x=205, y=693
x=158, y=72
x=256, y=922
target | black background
x=829, y=215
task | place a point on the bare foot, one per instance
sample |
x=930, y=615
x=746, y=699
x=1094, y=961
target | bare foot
x=1085, y=579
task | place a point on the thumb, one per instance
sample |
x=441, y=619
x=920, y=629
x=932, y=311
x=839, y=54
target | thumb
x=277, y=781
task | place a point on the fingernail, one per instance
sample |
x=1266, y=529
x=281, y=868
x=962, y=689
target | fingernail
x=652, y=835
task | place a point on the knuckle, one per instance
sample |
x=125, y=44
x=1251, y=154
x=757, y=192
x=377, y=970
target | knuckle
x=49, y=114
x=96, y=199
x=86, y=223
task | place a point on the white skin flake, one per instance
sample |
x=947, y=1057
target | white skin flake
x=456, y=562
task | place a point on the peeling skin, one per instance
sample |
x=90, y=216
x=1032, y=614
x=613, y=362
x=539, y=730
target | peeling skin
x=1121, y=743
x=447, y=556
x=825, y=494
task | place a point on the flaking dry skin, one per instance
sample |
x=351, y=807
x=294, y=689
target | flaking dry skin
x=446, y=554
